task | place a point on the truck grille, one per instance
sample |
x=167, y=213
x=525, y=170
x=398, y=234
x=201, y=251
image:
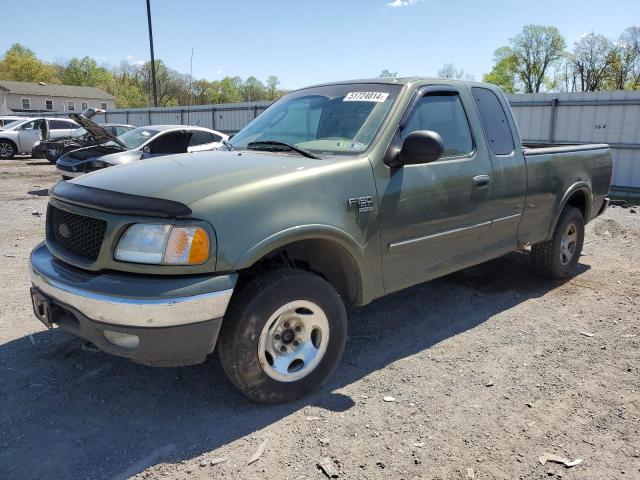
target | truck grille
x=75, y=234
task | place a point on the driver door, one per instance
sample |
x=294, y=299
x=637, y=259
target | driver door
x=30, y=134
x=435, y=216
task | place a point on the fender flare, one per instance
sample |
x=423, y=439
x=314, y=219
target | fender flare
x=576, y=187
x=342, y=239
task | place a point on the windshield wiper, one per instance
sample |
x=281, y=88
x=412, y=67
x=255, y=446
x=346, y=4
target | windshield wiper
x=275, y=143
x=227, y=144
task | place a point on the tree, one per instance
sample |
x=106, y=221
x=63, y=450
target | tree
x=593, y=57
x=230, y=90
x=20, y=64
x=449, y=70
x=172, y=88
x=504, y=72
x=272, y=87
x=253, y=90
x=625, y=68
x=387, y=74
x=85, y=72
x=537, y=49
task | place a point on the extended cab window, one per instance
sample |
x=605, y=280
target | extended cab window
x=494, y=119
x=445, y=115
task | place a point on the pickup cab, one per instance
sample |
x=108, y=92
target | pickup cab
x=336, y=195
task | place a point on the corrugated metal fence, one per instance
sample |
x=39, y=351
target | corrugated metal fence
x=224, y=117
x=583, y=117
x=587, y=117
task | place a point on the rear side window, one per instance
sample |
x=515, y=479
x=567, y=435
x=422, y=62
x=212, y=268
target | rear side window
x=61, y=125
x=445, y=115
x=199, y=137
x=494, y=119
x=171, y=142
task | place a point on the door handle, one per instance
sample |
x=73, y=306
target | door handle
x=481, y=181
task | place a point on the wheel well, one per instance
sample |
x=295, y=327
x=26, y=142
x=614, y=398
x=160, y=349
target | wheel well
x=578, y=200
x=8, y=140
x=323, y=257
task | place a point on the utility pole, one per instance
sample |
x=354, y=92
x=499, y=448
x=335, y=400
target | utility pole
x=153, y=61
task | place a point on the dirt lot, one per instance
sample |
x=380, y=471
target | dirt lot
x=490, y=368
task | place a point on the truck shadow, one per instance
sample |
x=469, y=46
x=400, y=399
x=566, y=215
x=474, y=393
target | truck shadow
x=72, y=413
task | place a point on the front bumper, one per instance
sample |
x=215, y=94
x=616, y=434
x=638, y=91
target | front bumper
x=68, y=173
x=176, y=319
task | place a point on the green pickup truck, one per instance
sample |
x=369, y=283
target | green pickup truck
x=336, y=195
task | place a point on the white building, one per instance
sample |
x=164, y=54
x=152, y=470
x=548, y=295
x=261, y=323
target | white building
x=41, y=98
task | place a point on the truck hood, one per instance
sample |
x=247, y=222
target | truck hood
x=189, y=177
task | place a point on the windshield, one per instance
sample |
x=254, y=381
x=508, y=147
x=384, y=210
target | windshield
x=15, y=123
x=331, y=119
x=136, y=137
x=78, y=132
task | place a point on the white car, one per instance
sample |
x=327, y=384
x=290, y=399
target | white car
x=4, y=119
x=137, y=144
x=21, y=136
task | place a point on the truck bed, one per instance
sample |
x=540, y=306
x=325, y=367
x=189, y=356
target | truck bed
x=555, y=170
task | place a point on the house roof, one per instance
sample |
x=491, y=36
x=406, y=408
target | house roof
x=53, y=90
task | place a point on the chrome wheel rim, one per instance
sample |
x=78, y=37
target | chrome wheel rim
x=5, y=150
x=568, y=244
x=293, y=341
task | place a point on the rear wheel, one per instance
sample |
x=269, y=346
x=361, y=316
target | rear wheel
x=283, y=335
x=7, y=150
x=558, y=257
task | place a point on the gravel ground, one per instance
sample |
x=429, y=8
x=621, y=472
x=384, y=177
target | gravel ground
x=488, y=369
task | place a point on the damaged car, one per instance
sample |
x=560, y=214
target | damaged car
x=137, y=144
x=53, y=148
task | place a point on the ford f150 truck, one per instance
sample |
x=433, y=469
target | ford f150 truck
x=334, y=196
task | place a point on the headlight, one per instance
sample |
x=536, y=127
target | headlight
x=163, y=245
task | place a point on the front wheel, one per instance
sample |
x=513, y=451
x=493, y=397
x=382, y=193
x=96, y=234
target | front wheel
x=557, y=258
x=283, y=336
x=7, y=150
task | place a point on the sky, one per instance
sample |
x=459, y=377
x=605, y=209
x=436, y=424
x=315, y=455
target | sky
x=301, y=42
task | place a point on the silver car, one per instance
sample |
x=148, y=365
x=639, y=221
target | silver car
x=22, y=135
x=137, y=144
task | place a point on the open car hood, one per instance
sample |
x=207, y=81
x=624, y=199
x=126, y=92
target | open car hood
x=100, y=135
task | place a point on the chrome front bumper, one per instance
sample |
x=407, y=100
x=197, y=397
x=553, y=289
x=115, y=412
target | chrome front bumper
x=167, y=321
x=136, y=312
x=130, y=300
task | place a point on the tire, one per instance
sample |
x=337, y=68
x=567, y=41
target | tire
x=7, y=150
x=557, y=258
x=304, y=308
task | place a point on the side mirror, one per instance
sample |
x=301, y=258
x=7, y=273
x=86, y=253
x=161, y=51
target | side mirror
x=146, y=149
x=421, y=146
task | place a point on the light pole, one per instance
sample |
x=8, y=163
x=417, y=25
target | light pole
x=153, y=62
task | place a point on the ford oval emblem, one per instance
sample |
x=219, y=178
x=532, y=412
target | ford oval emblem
x=63, y=229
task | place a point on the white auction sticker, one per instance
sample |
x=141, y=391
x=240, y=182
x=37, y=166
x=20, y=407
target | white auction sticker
x=378, y=97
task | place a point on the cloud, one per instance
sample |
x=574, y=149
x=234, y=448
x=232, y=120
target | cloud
x=133, y=60
x=402, y=3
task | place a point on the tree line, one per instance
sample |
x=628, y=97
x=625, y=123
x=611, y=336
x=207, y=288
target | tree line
x=130, y=84
x=537, y=59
